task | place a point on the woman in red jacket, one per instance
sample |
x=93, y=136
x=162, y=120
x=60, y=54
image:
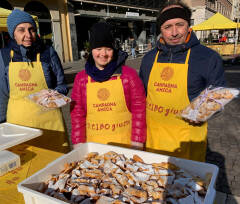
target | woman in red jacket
x=108, y=97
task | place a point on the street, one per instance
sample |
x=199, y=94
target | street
x=223, y=133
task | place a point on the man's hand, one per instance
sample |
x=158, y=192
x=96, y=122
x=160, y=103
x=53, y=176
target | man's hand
x=194, y=123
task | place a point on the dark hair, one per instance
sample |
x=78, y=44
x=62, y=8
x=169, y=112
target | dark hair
x=170, y=3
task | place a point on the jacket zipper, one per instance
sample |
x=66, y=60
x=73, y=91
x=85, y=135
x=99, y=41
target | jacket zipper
x=170, y=55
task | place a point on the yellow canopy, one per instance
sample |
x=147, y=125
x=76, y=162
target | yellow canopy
x=3, y=19
x=47, y=37
x=216, y=22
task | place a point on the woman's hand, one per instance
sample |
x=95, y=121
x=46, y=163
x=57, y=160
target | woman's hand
x=75, y=146
x=137, y=145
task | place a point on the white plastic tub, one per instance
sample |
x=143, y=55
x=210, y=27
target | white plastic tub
x=11, y=135
x=30, y=185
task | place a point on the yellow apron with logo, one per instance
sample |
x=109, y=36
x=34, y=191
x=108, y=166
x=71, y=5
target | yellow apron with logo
x=108, y=118
x=26, y=78
x=167, y=96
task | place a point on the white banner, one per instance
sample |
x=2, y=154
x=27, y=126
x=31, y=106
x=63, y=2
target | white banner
x=132, y=14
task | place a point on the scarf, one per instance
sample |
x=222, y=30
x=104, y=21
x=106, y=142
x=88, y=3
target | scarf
x=100, y=75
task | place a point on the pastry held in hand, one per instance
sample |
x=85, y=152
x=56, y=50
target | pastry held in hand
x=49, y=98
x=210, y=101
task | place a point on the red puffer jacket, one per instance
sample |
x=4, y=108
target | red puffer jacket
x=135, y=99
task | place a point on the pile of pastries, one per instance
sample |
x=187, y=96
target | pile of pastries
x=49, y=98
x=209, y=102
x=111, y=178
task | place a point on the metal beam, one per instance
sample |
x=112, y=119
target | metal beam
x=113, y=15
x=113, y=4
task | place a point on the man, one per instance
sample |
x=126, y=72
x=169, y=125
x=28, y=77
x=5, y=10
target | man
x=174, y=73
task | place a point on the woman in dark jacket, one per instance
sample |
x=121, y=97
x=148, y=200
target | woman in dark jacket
x=25, y=47
x=27, y=66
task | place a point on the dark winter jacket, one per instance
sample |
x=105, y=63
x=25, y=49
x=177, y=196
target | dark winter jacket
x=134, y=96
x=51, y=64
x=205, y=65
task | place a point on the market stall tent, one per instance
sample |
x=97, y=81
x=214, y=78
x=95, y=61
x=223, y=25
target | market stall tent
x=216, y=22
x=3, y=19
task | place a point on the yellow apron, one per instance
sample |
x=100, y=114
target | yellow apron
x=167, y=97
x=26, y=78
x=108, y=118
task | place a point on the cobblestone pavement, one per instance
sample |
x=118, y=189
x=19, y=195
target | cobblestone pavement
x=224, y=141
x=223, y=134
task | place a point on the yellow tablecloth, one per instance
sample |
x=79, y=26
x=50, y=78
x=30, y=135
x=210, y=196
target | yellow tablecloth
x=35, y=155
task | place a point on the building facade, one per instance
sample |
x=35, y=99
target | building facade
x=129, y=18
x=66, y=23
x=236, y=10
x=54, y=23
x=204, y=9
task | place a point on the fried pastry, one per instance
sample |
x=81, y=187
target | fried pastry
x=49, y=99
x=110, y=183
x=210, y=101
